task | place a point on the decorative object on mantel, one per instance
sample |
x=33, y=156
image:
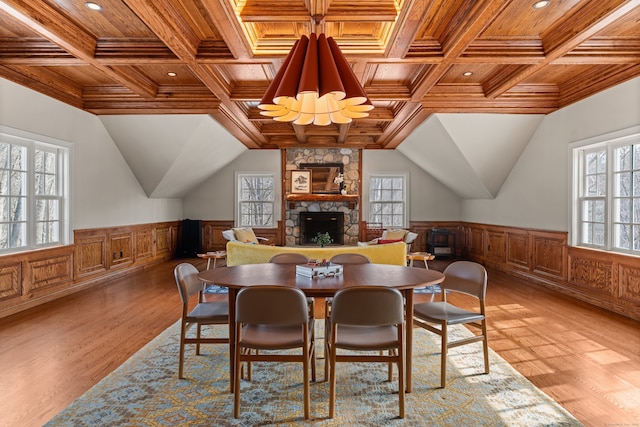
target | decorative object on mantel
x=339, y=179
x=322, y=239
x=315, y=85
x=301, y=181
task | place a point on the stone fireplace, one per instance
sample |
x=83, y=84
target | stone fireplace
x=298, y=206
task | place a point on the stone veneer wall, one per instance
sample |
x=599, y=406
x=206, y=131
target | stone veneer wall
x=350, y=158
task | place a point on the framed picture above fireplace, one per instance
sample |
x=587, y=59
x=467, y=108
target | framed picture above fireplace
x=301, y=181
x=326, y=178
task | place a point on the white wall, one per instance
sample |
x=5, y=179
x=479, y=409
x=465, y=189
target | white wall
x=429, y=200
x=536, y=193
x=105, y=191
x=214, y=199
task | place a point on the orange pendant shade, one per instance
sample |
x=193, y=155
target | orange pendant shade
x=315, y=85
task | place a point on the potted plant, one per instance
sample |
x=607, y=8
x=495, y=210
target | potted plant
x=322, y=239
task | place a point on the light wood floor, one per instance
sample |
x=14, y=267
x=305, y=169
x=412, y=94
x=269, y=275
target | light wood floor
x=585, y=358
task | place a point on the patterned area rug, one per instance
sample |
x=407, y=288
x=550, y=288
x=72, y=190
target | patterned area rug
x=433, y=289
x=145, y=391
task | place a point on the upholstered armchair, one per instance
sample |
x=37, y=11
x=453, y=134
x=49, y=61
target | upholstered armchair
x=394, y=235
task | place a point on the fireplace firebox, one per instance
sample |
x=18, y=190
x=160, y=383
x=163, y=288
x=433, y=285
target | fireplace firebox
x=312, y=223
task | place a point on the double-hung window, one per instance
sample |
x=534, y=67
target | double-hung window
x=388, y=200
x=256, y=200
x=33, y=192
x=606, y=192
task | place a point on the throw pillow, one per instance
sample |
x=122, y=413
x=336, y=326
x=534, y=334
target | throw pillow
x=245, y=235
x=394, y=234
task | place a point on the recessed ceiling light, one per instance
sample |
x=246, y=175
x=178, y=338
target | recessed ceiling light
x=467, y=73
x=172, y=74
x=541, y=4
x=93, y=6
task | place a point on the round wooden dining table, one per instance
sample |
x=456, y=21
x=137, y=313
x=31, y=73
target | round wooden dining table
x=405, y=279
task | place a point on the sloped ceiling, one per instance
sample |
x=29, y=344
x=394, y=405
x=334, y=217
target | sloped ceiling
x=171, y=154
x=471, y=154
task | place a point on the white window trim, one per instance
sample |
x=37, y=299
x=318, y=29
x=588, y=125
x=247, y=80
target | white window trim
x=32, y=141
x=610, y=140
x=236, y=194
x=366, y=190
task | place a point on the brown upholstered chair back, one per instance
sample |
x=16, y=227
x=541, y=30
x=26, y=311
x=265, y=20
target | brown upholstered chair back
x=466, y=277
x=271, y=305
x=368, y=305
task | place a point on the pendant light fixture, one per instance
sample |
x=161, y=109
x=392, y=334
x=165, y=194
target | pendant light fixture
x=316, y=86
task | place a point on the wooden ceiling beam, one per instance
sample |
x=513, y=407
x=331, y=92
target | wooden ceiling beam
x=405, y=32
x=165, y=21
x=567, y=34
x=226, y=22
x=36, y=83
x=482, y=14
x=57, y=28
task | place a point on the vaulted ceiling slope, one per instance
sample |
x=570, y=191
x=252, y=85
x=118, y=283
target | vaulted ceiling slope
x=217, y=57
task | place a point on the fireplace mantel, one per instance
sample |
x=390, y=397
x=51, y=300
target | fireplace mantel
x=321, y=197
x=352, y=199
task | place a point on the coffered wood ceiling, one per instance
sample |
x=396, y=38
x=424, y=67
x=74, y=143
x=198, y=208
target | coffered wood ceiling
x=410, y=56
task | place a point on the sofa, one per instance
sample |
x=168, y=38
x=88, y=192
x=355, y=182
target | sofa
x=239, y=253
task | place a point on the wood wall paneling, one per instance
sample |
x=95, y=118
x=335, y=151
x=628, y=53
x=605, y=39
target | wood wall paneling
x=144, y=244
x=629, y=284
x=91, y=255
x=30, y=278
x=49, y=272
x=475, y=241
x=605, y=279
x=549, y=255
x=121, y=248
x=518, y=250
x=591, y=274
x=164, y=239
x=212, y=239
x=496, y=245
x=10, y=280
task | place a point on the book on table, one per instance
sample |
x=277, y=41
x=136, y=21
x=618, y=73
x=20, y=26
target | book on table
x=319, y=270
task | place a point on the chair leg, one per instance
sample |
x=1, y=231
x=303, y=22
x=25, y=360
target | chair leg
x=485, y=346
x=443, y=361
x=401, y=377
x=305, y=377
x=312, y=361
x=236, y=391
x=183, y=333
x=332, y=381
x=198, y=334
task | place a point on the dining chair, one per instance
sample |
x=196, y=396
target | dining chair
x=465, y=277
x=295, y=258
x=367, y=319
x=343, y=258
x=204, y=313
x=273, y=318
x=289, y=258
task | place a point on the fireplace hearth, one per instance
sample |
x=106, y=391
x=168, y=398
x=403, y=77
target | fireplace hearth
x=312, y=223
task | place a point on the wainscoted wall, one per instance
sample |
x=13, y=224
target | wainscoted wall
x=605, y=279
x=31, y=278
